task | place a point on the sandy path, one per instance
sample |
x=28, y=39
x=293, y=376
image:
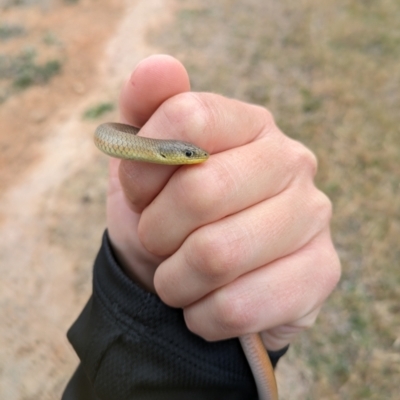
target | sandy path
x=52, y=218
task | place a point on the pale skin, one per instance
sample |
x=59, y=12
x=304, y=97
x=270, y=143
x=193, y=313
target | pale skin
x=241, y=242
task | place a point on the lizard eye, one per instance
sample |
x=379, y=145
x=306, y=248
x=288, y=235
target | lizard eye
x=189, y=153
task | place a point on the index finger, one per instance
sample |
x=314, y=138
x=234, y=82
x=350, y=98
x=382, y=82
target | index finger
x=207, y=120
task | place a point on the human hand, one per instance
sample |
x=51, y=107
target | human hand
x=240, y=242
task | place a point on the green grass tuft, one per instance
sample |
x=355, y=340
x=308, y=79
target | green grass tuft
x=31, y=74
x=9, y=31
x=98, y=110
x=23, y=71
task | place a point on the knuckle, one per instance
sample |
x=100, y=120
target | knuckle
x=233, y=312
x=215, y=256
x=333, y=271
x=303, y=158
x=328, y=277
x=322, y=207
x=268, y=118
x=186, y=112
x=263, y=114
x=325, y=267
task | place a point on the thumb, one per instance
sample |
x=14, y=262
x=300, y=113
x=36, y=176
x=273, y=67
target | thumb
x=154, y=80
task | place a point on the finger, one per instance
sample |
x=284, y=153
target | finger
x=208, y=120
x=216, y=254
x=229, y=182
x=154, y=80
x=271, y=296
x=279, y=337
x=122, y=223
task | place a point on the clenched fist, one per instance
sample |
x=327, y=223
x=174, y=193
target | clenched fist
x=240, y=242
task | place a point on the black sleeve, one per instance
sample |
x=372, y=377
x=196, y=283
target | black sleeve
x=132, y=346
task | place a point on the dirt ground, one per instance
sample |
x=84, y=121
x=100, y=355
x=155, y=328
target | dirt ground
x=53, y=180
x=327, y=70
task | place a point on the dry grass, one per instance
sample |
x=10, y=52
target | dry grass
x=330, y=73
